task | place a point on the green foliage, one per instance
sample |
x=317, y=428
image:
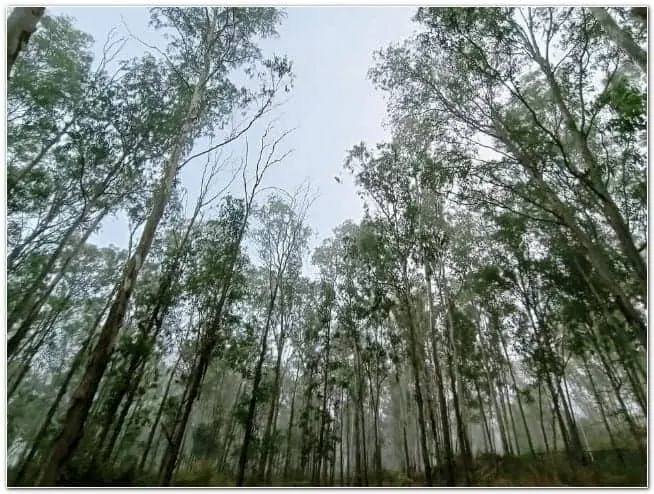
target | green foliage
x=498, y=261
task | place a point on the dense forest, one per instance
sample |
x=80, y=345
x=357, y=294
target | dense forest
x=483, y=323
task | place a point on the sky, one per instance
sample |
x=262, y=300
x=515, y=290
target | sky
x=332, y=107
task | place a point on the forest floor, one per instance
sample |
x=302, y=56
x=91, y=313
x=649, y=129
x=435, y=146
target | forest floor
x=556, y=470
x=607, y=469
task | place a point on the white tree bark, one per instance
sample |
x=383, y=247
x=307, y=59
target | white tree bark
x=20, y=25
x=621, y=37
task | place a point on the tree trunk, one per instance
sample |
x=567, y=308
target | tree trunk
x=542, y=419
x=348, y=443
x=358, y=468
x=570, y=446
x=456, y=384
x=229, y=437
x=377, y=453
x=28, y=308
x=620, y=37
x=360, y=411
x=440, y=385
x=600, y=406
x=258, y=374
x=342, y=419
x=321, y=438
x=506, y=405
x=289, y=432
x=594, y=183
x=73, y=427
x=596, y=255
x=31, y=353
x=20, y=25
x=38, y=438
x=413, y=354
x=118, y=426
x=484, y=422
x=148, y=443
x=515, y=386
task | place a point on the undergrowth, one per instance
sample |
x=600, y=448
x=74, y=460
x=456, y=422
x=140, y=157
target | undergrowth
x=627, y=468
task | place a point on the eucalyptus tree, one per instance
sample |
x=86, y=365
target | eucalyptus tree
x=556, y=151
x=47, y=86
x=153, y=303
x=282, y=238
x=215, y=302
x=206, y=46
x=215, y=281
x=279, y=218
x=92, y=280
x=398, y=228
x=95, y=165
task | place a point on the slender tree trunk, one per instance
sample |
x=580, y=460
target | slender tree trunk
x=542, y=419
x=40, y=435
x=600, y=405
x=596, y=256
x=593, y=182
x=358, y=467
x=115, y=399
x=171, y=454
x=249, y=423
x=170, y=460
x=413, y=353
x=377, y=453
x=616, y=384
x=456, y=384
x=432, y=420
x=31, y=353
x=117, y=441
x=148, y=443
x=289, y=432
x=518, y=400
x=28, y=308
x=484, y=422
x=404, y=413
x=348, y=442
x=362, y=417
x=573, y=431
x=460, y=424
x=440, y=385
x=341, y=439
x=321, y=438
x=265, y=454
x=229, y=438
x=118, y=426
x=570, y=447
x=506, y=404
x=554, y=440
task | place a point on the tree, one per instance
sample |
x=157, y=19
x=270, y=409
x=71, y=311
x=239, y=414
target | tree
x=204, y=66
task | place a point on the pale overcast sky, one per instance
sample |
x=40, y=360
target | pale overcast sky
x=333, y=105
